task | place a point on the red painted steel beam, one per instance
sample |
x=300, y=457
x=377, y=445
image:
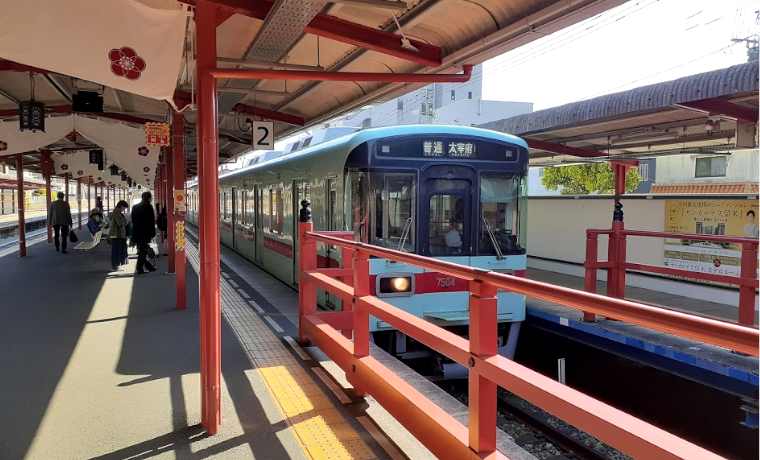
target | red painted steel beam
x=272, y=74
x=48, y=109
x=11, y=66
x=269, y=114
x=68, y=109
x=720, y=107
x=344, y=31
x=574, y=151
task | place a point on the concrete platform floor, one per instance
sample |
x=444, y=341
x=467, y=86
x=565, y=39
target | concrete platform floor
x=99, y=365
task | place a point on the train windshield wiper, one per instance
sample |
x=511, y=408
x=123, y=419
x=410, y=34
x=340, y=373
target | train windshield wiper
x=405, y=234
x=492, y=237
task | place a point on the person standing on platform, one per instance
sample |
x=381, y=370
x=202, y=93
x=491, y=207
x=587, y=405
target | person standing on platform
x=59, y=217
x=162, y=223
x=143, y=231
x=118, y=236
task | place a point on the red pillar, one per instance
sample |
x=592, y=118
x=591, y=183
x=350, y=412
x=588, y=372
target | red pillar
x=47, y=208
x=746, y=291
x=79, y=201
x=178, y=226
x=89, y=194
x=66, y=186
x=208, y=185
x=21, y=221
x=169, y=246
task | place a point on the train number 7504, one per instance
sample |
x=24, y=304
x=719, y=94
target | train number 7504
x=446, y=281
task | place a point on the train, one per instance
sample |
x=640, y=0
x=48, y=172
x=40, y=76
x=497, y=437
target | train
x=450, y=192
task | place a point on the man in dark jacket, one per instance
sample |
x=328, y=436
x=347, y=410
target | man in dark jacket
x=143, y=231
x=59, y=217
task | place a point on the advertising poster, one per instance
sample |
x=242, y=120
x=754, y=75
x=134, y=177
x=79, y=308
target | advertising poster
x=708, y=217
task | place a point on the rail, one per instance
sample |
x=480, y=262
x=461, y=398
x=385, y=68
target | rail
x=446, y=437
x=616, y=265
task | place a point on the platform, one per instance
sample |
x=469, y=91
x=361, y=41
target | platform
x=711, y=365
x=99, y=365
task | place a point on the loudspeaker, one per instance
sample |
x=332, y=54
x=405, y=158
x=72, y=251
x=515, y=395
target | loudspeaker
x=87, y=101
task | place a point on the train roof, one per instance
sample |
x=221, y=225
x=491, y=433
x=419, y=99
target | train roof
x=350, y=141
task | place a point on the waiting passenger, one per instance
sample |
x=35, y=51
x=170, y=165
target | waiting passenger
x=59, y=217
x=95, y=222
x=143, y=231
x=118, y=237
x=453, y=239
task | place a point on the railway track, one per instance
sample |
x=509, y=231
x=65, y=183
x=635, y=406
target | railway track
x=573, y=448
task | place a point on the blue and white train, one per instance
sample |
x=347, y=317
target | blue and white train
x=449, y=192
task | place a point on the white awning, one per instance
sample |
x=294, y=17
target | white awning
x=123, y=44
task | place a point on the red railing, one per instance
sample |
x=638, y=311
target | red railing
x=616, y=265
x=437, y=430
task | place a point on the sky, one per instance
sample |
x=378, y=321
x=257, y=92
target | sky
x=638, y=43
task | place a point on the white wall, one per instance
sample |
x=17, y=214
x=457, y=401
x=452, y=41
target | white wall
x=741, y=166
x=557, y=227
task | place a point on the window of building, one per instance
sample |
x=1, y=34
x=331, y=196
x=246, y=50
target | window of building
x=540, y=172
x=423, y=109
x=400, y=104
x=469, y=95
x=644, y=171
x=711, y=167
x=453, y=95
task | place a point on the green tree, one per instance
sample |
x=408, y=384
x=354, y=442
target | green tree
x=588, y=178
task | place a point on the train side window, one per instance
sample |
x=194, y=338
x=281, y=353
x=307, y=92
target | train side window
x=276, y=208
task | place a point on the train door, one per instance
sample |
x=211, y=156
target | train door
x=258, y=224
x=445, y=210
x=331, y=224
x=300, y=192
x=235, y=217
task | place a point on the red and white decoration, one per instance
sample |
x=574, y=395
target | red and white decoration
x=113, y=43
x=16, y=141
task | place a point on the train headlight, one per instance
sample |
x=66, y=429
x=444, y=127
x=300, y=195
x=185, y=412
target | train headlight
x=394, y=285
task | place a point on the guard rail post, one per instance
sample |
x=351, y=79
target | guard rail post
x=347, y=261
x=483, y=344
x=307, y=259
x=746, y=290
x=361, y=317
x=620, y=259
x=592, y=257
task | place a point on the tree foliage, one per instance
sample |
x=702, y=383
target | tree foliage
x=588, y=178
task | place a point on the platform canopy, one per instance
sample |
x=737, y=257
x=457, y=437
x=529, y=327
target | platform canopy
x=140, y=55
x=715, y=111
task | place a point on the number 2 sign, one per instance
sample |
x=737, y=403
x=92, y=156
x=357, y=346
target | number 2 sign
x=263, y=135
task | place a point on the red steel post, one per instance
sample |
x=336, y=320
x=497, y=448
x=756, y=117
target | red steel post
x=21, y=221
x=361, y=280
x=79, y=201
x=47, y=208
x=307, y=260
x=89, y=194
x=620, y=258
x=178, y=228
x=592, y=257
x=483, y=344
x=746, y=291
x=169, y=246
x=208, y=184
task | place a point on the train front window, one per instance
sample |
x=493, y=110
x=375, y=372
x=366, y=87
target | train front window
x=447, y=222
x=501, y=219
x=392, y=210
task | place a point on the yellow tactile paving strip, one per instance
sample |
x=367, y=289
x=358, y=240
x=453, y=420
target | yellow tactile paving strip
x=318, y=427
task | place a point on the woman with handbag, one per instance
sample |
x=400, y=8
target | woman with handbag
x=118, y=236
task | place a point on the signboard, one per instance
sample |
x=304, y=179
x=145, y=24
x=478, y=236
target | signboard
x=708, y=217
x=263, y=135
x=157, y=134
x=446, y=148
x=179, y=236
x=180, y=201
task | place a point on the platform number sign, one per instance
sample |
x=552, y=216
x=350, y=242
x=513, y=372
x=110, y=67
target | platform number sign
x=263, y=135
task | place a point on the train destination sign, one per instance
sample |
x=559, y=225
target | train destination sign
x=446, y=149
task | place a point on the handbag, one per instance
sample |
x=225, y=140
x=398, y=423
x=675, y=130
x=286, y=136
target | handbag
x=73, y=236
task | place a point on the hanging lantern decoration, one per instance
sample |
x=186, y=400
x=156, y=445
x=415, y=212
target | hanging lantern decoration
x=124, y=176
x=31, y=112
x=114, y=170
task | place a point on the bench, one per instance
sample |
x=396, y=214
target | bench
x=85, y=246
